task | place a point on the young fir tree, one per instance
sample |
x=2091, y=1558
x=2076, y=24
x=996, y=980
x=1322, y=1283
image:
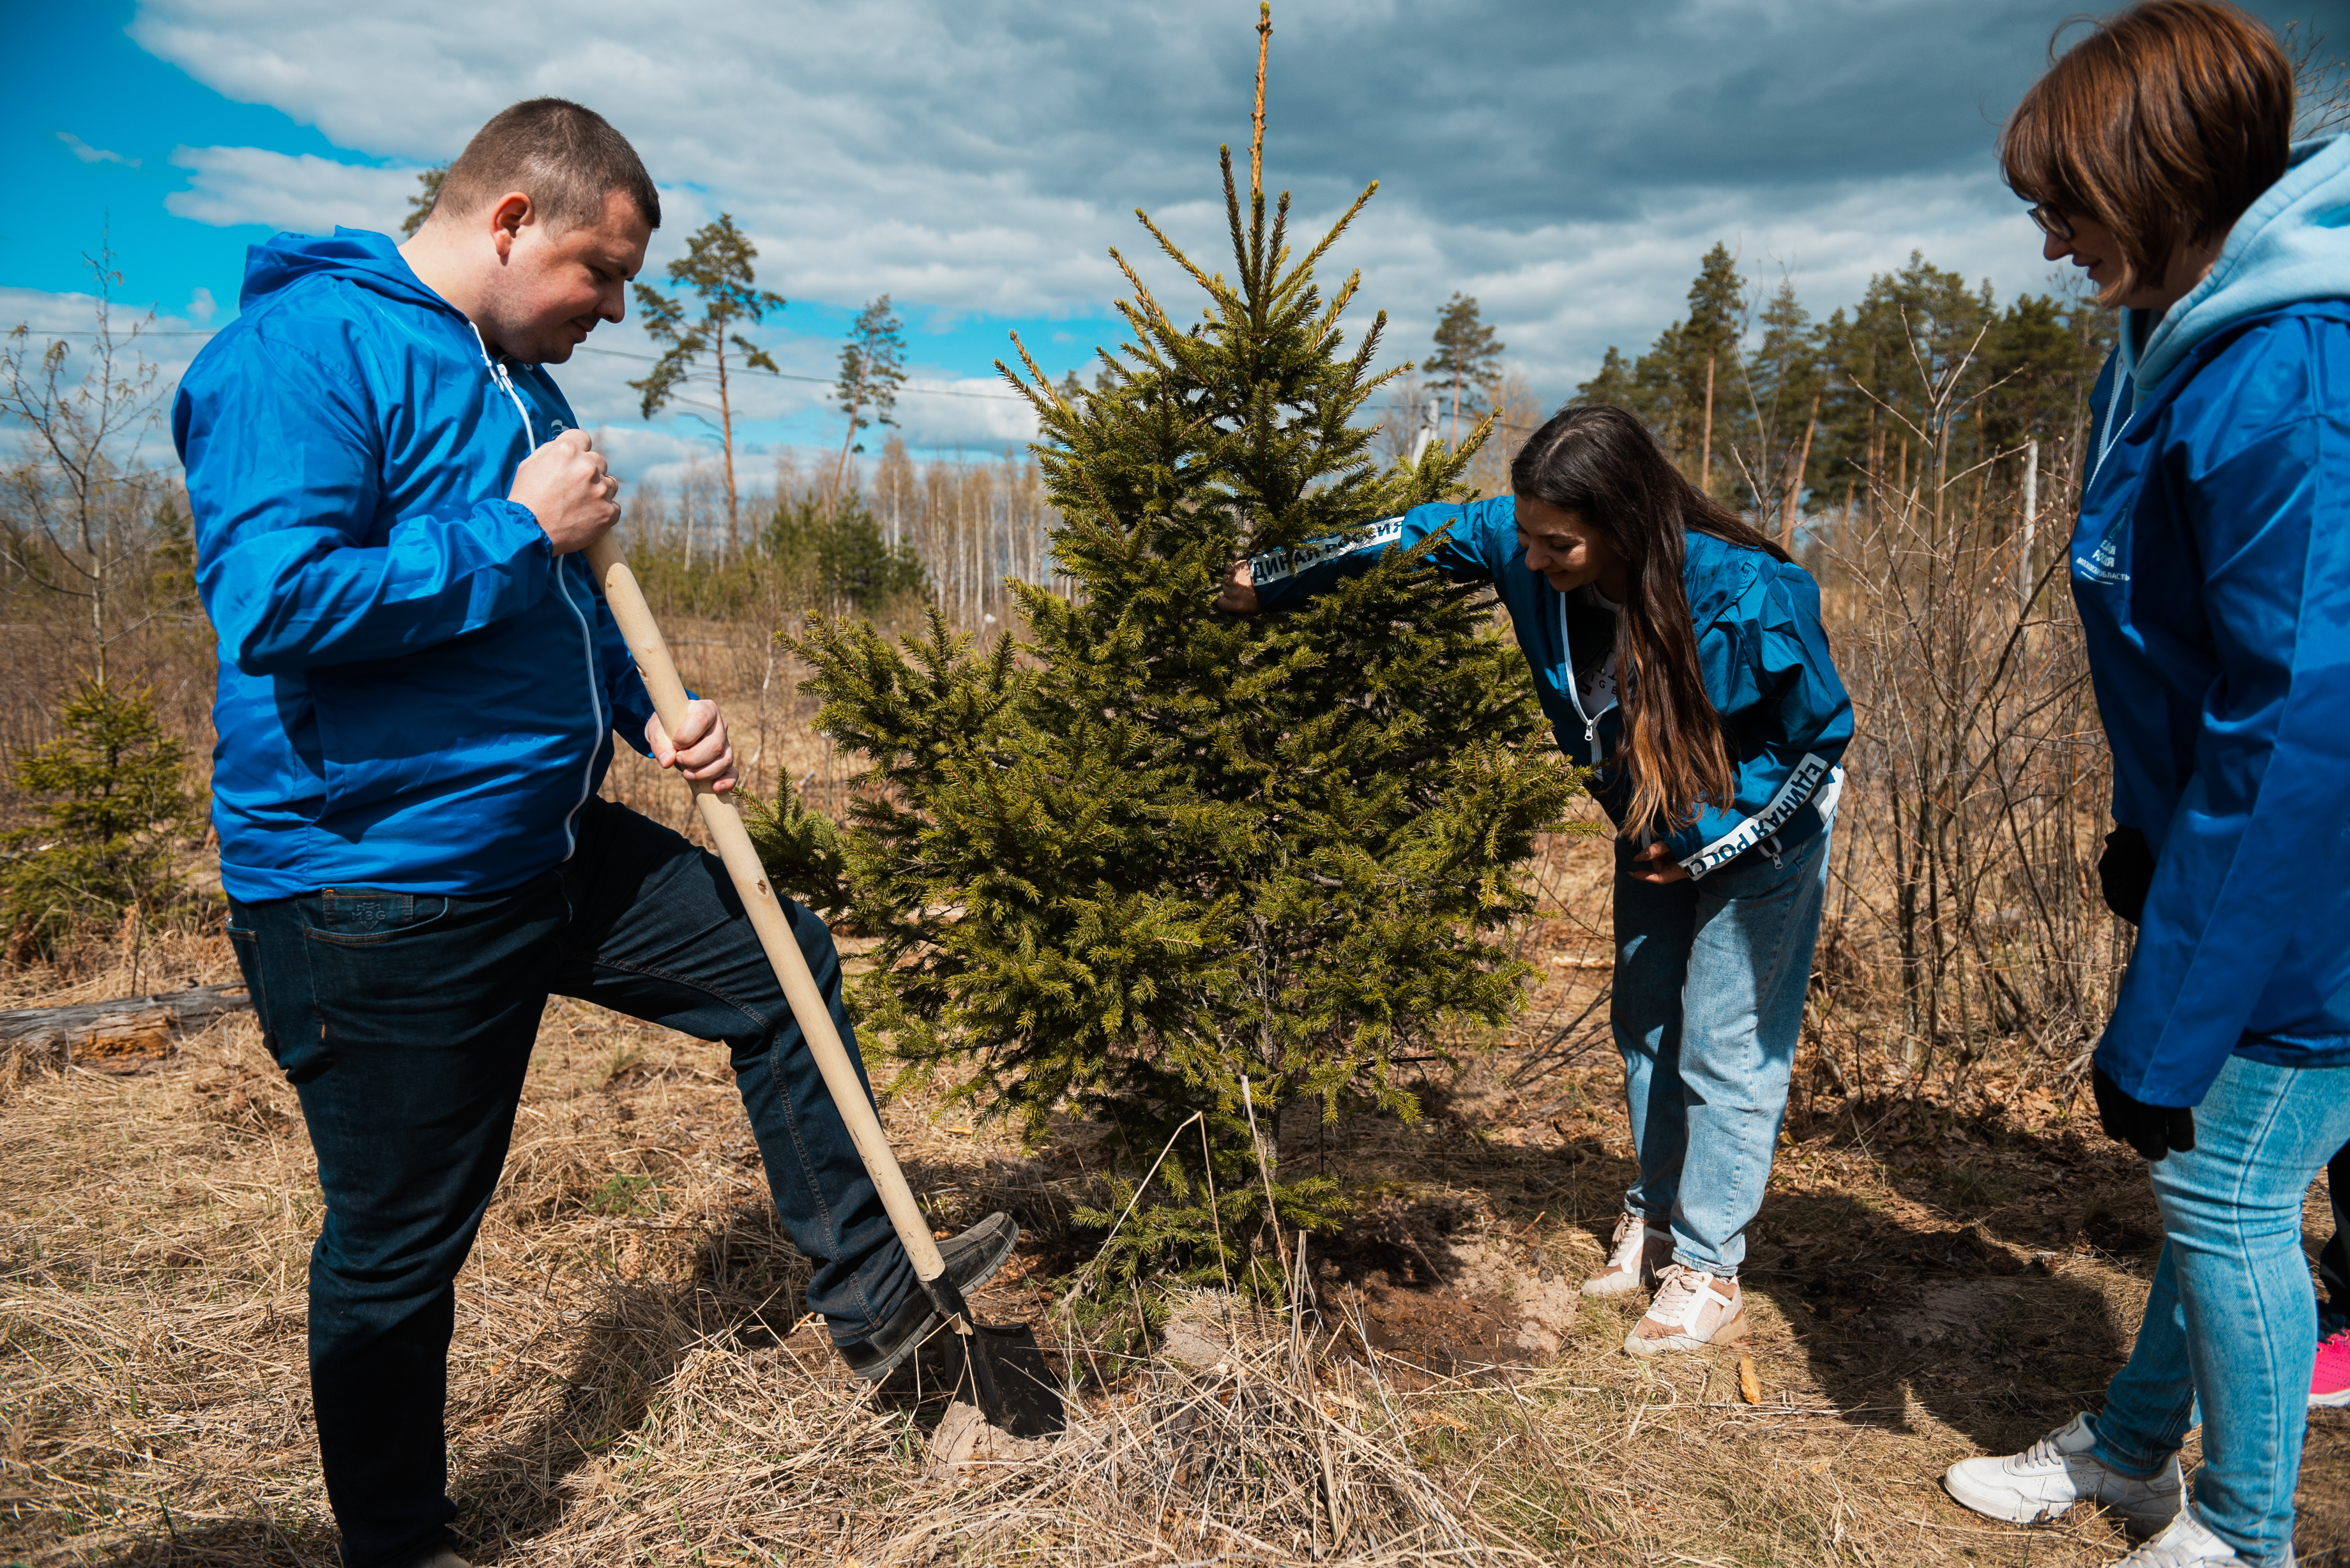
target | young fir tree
x=1176, y=869
x=113, y=788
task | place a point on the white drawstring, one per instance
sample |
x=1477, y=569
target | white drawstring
x=504, y=383
x=1575, y=691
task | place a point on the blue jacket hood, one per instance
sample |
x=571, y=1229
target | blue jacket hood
x=372, y=260
x=2291, y=246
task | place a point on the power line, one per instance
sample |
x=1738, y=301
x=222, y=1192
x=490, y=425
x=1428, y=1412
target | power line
x=624, y=354
x=825, y=380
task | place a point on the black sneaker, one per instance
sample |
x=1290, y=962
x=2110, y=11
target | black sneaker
x=972, y=1260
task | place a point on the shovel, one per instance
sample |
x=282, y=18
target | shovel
x=1003, y=1367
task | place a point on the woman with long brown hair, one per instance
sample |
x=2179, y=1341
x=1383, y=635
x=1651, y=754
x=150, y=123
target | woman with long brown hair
x=1679, y=652
x=2211, y=569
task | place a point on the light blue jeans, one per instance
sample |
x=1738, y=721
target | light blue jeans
x=2230, y=1317
x=1709, y=983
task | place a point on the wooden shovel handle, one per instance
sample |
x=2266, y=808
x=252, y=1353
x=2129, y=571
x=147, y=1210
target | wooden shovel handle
x=733, y=843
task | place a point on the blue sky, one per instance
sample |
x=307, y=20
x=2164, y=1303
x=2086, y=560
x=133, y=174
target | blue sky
x=1566, y=162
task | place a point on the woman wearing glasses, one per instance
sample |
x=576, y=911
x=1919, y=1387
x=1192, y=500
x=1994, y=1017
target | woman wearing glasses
x=2211, y=568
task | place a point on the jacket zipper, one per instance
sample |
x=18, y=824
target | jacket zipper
x=2125, y=377
x=1575, y=691
x=504, y=383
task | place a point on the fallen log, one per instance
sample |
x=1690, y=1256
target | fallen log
x=122, y=1033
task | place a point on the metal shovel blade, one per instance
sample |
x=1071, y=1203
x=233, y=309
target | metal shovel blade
x=1001, y=1369
x=1008, y=1363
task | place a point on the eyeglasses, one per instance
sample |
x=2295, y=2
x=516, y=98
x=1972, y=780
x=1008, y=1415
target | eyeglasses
x=2051, y=222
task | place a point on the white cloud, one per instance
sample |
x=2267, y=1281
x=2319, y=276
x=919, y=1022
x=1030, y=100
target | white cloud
x=980, y=414
x=89, y=154
x=1567, y=164
x=301, y=192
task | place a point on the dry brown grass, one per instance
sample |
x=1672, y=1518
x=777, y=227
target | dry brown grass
x=633, y=1381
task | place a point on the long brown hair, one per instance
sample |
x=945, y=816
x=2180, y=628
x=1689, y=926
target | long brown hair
x=2164, y=124
x=1602, y=464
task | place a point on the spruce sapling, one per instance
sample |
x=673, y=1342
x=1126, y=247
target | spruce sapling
x=114, y=801
x=1157, y=854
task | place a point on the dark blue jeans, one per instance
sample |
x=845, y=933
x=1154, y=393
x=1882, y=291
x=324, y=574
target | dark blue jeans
x=406, y=1022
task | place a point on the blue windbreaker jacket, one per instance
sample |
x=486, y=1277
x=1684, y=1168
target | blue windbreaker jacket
x=1784, y=715
x=415, y=694
x=2211, y=565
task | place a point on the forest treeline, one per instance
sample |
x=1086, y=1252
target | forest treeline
x=1785, y=416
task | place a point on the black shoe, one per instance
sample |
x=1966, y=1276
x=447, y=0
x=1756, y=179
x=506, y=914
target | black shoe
x=972, y=1260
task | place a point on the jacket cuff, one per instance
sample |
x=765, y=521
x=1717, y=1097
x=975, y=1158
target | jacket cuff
x=522, y=521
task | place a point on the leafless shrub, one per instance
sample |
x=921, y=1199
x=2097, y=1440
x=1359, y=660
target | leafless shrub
x=1965, y=911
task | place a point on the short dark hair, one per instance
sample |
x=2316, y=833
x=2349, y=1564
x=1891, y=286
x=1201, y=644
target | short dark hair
x=2165, y=123
x=565, y=157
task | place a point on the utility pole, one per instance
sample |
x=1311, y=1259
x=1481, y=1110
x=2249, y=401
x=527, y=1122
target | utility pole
x=2030, y=517
x=1795, y=485
x=1705, y=449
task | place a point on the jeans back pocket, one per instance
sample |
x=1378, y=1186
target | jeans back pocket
x=365, y=916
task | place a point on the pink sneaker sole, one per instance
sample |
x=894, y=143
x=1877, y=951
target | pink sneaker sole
x=2329, y=1385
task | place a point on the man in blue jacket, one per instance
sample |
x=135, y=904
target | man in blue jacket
x=419, y=688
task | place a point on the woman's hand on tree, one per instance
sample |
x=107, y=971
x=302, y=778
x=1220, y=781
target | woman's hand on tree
x=1239, y=594
x=1655, y=864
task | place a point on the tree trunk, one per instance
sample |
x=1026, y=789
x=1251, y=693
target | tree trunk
x=123, y=1031
x=1795, y=485
x=726, y=438
x=840, y=472
x=1705, y=441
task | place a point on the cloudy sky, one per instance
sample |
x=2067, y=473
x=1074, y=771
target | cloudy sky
x=1564, y=162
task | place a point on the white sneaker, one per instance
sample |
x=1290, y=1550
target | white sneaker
x=2186, y=1543
x=1635, y=1253
x=1692, y=1309
x=2058, y=1471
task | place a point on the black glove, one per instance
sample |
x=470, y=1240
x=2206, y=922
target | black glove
x=2125, y=871
x=2152, y=1130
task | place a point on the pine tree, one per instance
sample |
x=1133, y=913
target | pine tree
x=872, y=369
x=1779, y=426
x=1176, y=870
x=1708, y=349
x=717, y=266
x=1467, y=359
x=835, y=554
x=1612, y=383
x=419, y=206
